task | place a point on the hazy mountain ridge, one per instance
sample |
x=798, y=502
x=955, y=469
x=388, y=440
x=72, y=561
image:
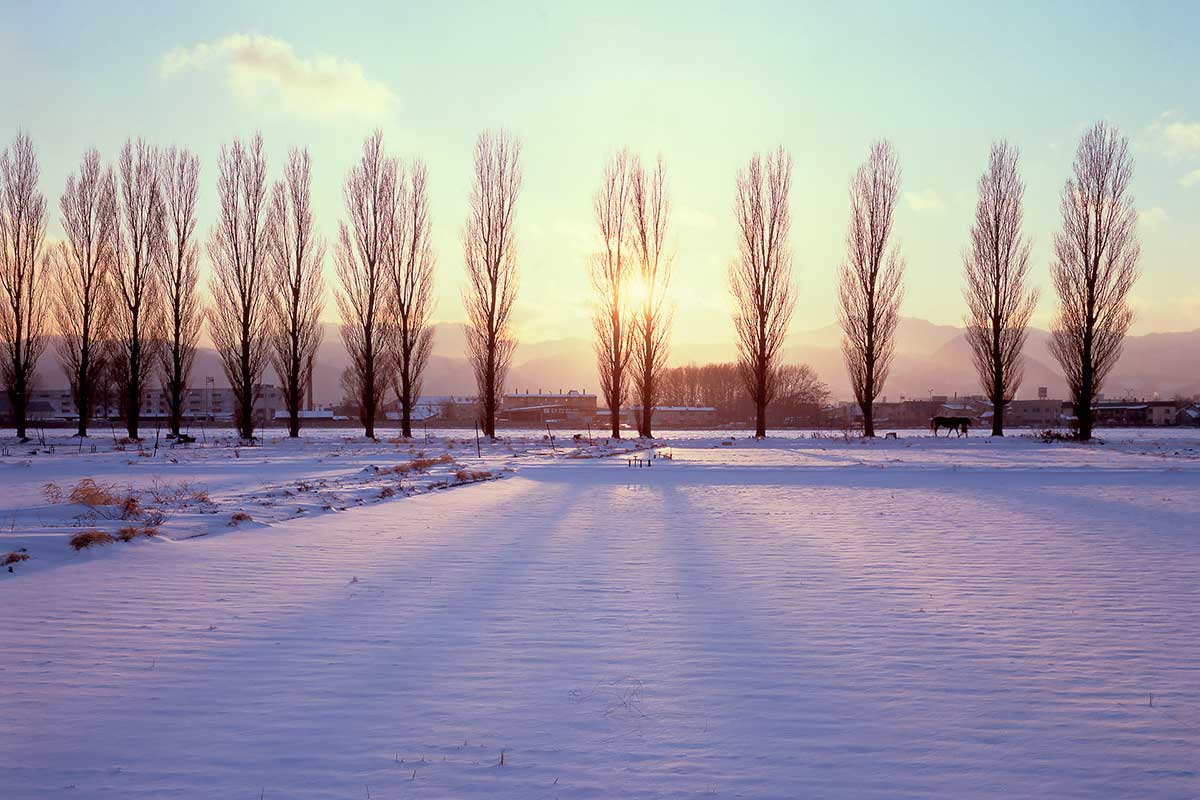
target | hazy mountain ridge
x=929, y=358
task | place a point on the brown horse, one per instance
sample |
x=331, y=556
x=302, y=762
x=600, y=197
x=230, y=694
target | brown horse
x=960, y=424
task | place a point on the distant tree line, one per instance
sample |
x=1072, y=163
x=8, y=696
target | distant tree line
x=121, y=288
x=799, y=399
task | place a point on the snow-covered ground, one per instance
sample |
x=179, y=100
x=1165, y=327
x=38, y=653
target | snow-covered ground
x=801, y=617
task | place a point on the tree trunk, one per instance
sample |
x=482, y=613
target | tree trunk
x=133, y=400
x=997, y=411
x=84, y=393
x=294, y=390
x=176, y=401
x=615, y=415
x=868, y=418
x=647, y=414
x=19, y=406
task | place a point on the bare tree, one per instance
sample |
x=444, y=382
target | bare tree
x=870, y=282
x=996, y=267
x=611, y=272
x=1095, y=267
x=650, y=211
x=239, y=319
x=297, y=253
x=83, y=265
x=410, y=259
x=799, y=385
x=490, y=253
x=179, y=277
x=370, y=193
x=141, y=237
x=761, y=277
x=24, y=301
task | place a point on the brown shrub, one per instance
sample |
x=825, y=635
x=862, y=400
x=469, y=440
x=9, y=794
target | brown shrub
x=52, y=492
x=89, y=493
x=130, y=532
x=386, y=492
x=88, y=538
x=199, y=496
x=422, y=464
x=15, y=557
x=130, y=507
x=472, y=475
x=238, y=518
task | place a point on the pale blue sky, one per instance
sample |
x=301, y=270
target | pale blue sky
x=703, y=84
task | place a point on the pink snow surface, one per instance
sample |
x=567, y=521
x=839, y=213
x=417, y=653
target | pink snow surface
x=803, y=618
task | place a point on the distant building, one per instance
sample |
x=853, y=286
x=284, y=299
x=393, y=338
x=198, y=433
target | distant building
x=673, y=416
x=209, y=403
x=1040, y=413
x=537, y=408
x=1190, y=415
x=1136, y=413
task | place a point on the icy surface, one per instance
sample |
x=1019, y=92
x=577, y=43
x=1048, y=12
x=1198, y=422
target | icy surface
x=794, y=618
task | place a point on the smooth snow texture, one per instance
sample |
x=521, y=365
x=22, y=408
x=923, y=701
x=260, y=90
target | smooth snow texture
x=799, y=618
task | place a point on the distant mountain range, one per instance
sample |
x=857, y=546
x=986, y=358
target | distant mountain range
x=929, y=358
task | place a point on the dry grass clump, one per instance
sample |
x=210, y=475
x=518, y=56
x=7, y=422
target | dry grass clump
x=85, y=539
x=52, y=492
x=131, y=532
x=422, y=464
x=238, y=518
x=130, y=507
x=386, y=492
x=15, y=557
x=89, y=493
x=472, y=475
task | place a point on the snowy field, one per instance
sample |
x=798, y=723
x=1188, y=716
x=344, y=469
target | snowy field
x=801, y=617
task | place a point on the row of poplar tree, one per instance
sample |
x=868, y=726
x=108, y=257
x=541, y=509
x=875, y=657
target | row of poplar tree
x=122, y=286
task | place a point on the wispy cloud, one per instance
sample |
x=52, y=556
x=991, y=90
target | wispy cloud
x=263, y=71
x=1177, y=137
x=1153, y=216
x=926, y=200
x=1191, y=179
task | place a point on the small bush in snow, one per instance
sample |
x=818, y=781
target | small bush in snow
x=422, y=464
x=85, y=539
x=238, y=518
x=130, y=532
x=15, y=557
x=130, y=507
x=89, y=493
x=53, y=493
